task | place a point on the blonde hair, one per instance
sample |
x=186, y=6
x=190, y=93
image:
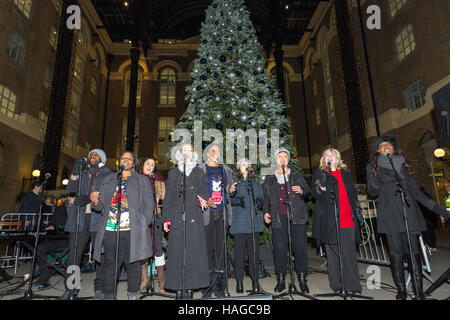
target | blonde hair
x=340, y=163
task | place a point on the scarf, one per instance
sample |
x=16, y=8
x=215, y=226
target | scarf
x=398, y=161
x=189, y=167
x=93, y=171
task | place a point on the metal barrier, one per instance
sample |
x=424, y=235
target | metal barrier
x=373, y=248
x=14, y=252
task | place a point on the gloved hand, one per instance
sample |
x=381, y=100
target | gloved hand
x=259, y=204
x=442, y=211
x=78, y=166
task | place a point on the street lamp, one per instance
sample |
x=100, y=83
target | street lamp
x=34, y=175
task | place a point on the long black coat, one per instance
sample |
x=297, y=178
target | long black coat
x=272, y=196
x=389, y=212
x=196, y=252
x=324, y=222
x=140, y=205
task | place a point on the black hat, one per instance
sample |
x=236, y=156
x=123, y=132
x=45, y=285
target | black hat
x=72, y=195
x=384, y=138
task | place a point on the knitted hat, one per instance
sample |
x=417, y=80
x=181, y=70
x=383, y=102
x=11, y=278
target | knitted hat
x=101, y=153
x=240, y=162
x=283, y=150
x=384, y=138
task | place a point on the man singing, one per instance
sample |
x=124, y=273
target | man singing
x=91, y=176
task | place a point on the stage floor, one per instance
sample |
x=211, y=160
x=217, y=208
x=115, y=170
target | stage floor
x=317, y=279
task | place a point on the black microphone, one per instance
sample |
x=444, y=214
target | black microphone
x=329, y=165
x=388, y=154
x=121, y=167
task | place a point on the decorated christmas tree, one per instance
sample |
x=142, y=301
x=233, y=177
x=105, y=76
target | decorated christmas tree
x=231, y=90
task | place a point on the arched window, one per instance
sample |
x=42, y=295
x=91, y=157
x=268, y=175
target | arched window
x=24, y=6
x=165, y=126
x=7, y=102
x=127, y=88
x=82, y=37
x=167, y=86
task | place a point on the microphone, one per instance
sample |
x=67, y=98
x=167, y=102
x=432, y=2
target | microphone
x=184, y=157
x=329, y=165
x=47, y=176
x=388, y=153
x=283, y=166
x=121, y=167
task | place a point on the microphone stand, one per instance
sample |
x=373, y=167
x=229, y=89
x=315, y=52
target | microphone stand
x=119, y=208
x=291, y=288
x=225, y=226
x=150, y=291
x=183, y=217
x=343, y=293
x=29, y=295
x=72, y=294
x=255, y=288
x=401, y=190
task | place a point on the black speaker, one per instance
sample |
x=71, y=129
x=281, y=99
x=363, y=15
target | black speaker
x=441, y=101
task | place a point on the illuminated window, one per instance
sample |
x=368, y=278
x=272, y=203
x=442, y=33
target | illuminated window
x=71, y=137
x=75, y=104
x=94, y=86
x=330, y=107
x=405, y=43
x=53, y=39
x=7, y=102
x=24, y=6
x=395, y=5
x=318, y=120
x=165, y=127
x=124, y=135
x=82, y=38
x=78, y=69
x=16, y=47
x=415, y=95
x=167, y=86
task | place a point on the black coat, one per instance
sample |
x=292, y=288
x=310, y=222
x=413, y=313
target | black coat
x=30, y=203
x=140, y=205
x=389, y=212
x=272, y=196
x=83, y=199
x=196, y=252
x=324, y=222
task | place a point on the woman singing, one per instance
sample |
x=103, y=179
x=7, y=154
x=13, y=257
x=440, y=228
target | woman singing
x=382, y=183
x=241, y=226
x=196, y=272
x=278, y=198
x=147, y=167
x=333, y=178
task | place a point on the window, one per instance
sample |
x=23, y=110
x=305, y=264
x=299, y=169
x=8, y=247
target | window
x=94, y=86
x=318, y=120
x=48, y=76
x=75, y=104
x=43, y=121
x=405, y=43
x=127, y=88
x=78, y=69
x=53, y=39
x=16, y=47
x=330, y=107
x=71, y=138
x=82, y=38
x=97, y=61
x=167, y=86
x=395, y=5
x=58, y=5
x=24, y=6
x=165, y=127
x=7, y=102
x=124, y=135
x=415, y=95
x=326, y=72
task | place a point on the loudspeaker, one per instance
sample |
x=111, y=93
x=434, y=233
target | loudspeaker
x=441, y=101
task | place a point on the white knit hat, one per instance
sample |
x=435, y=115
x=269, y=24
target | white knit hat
x=283, y=150
x=101, y=153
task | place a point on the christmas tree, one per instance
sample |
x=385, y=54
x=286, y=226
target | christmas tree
x=231, y=91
